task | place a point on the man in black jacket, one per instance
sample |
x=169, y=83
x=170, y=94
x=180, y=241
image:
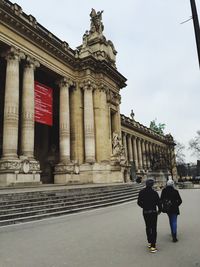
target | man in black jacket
x=149, y=201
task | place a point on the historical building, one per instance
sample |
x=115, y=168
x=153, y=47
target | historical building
x=60, y=116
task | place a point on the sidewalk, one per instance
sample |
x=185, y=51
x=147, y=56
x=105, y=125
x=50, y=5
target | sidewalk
x=110, y=237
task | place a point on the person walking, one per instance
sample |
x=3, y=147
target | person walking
x=171, y=201
x=149, y=201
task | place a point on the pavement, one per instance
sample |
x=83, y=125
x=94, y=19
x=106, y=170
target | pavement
x=107, y=237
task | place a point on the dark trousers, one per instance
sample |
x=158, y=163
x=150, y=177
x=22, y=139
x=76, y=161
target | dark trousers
x=151, y=227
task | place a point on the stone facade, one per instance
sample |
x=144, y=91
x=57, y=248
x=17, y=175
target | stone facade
x=147, y=153
x=89, y=141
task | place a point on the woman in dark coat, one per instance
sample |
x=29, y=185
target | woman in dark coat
x=171, y=194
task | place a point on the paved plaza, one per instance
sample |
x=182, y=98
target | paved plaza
x=112, y=236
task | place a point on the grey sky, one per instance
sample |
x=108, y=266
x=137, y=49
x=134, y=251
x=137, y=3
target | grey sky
x=155, y=53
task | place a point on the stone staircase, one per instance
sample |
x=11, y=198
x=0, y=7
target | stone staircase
x=36, y=205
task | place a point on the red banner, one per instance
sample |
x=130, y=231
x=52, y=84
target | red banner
x=43, y=104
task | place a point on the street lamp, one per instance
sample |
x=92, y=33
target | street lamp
x=196, y=26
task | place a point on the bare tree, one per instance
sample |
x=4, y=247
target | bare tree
x=165, y=161
x=194, y=145
x=180, y=156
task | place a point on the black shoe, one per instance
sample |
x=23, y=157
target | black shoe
x=174, y=238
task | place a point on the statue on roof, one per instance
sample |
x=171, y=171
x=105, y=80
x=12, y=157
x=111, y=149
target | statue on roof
x=96, y=21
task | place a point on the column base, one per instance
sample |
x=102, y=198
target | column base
x=98, y=173
x=19, y=172
x=66, y=173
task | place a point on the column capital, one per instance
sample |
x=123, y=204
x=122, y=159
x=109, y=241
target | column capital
x=65, y=82
x=124, y=133
x=88, y=84
x=31, y=62
x=102, y=87
x=13, y=54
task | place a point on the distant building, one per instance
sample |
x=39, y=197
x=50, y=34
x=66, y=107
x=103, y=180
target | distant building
x=60, y=116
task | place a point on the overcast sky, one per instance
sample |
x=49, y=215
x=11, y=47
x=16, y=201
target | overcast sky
x=156, y=54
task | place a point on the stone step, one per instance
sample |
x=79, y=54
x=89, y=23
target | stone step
x=23, y=204
x=22, y=219
x=47, y=209
x=57, y=195
x=76, y=191
x=62, y=202
x=28, y=206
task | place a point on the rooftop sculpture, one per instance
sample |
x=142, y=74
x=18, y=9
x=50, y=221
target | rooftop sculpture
x=96, y=21
x=95, y=43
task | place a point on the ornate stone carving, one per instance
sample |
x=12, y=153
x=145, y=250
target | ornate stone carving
x=25, y=166
x=88, y=84
x=118, y=149
x=113, y=98
x=31, y=62
x=96, y=22
x=95, y=43
x=21, y=166
x=14, y=54
x=17, y=9
x=67, y=168
x=102, y=87
x=26, y=26
x=34, y=166
x=65, y=82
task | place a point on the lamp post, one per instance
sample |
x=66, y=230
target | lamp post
x=196, y=26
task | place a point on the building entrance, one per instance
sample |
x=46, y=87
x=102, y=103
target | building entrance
x=47, y=136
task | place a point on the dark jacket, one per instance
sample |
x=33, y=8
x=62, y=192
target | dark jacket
x=169, y=192
x=148, y=199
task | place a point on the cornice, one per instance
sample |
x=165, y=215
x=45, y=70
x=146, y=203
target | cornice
x=138, y=127
x=102, y=67
x=12, y=16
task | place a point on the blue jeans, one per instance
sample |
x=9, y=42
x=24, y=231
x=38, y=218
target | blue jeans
x=173, y=223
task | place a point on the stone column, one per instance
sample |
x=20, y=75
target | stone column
x=140, y=154
x=154, y=149
x=28, y=108
x=76, y=124
x=135, y=153
x=151, y=153
x=11, y=107
x=64, y=128
x=103, y=142
x=144, y=154
x=148, y=155
x=89, y=123
x=130, y=149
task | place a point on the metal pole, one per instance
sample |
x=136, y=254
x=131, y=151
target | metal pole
x=196, y=26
